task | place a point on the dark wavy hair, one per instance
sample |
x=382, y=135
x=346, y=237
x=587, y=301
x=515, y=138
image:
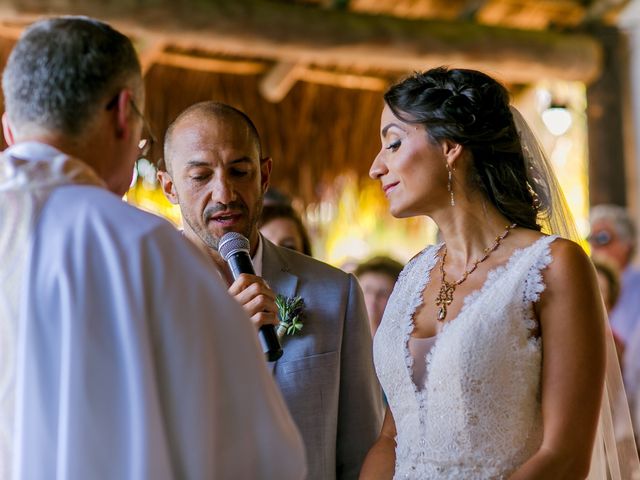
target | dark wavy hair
x=274, y=211
x=380, y=264
x=470, y=108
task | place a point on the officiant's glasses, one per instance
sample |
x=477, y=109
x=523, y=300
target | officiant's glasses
x=148, y=138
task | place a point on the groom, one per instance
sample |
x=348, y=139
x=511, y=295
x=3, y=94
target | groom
x=216, y=172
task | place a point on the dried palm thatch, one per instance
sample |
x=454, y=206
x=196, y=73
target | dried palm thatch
x=312, y=78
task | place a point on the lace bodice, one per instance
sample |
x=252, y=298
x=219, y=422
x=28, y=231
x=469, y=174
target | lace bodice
x=479, y=416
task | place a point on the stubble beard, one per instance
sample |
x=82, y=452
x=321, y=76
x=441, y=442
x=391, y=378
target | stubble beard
x=210, y=240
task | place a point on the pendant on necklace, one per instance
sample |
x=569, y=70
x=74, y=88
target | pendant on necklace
x=444, y=299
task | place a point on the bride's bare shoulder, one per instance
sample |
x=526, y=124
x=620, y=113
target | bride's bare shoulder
x=569, y=261
x=570, y=267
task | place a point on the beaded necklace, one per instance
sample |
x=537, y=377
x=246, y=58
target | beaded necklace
x=447, y=289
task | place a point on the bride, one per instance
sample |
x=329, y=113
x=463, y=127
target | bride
x=491, y=351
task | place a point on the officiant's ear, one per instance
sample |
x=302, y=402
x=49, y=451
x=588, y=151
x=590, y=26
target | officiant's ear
x=7, y=131
x=168, y=187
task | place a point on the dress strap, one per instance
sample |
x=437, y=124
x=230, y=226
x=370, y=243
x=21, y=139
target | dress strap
x=534, y=281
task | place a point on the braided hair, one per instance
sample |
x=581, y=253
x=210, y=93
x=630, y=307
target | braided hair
x=470, y=108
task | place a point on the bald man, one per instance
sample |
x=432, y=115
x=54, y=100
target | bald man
x=216, y=172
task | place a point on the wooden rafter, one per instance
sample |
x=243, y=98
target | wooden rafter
x=341, y=40
x=343, y=80
x=11, y=32
x=150, y=52
x=600, y=8
x=299, y=72
x=470, y=9
x=215, y=65
x=279, y=80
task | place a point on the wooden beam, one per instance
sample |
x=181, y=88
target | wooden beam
x=470, y=9
x=343, y=40
x=248, y=67
x=279, y=81
x=214, y=65
x=149, y=53
x=600, y=8
x=343, y=80
x=10, y=31
x=607, y=174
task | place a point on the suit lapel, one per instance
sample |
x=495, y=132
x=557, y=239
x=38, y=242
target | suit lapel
x=276, y=271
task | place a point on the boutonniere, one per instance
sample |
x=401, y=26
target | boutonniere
x=290, y=313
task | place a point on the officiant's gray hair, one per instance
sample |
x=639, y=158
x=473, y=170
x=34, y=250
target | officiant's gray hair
x=63, y=70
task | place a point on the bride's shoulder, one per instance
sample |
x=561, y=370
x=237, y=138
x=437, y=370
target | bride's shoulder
x=564, y=255
x=570, y=265
x=560, y=248
x=557, y=256
x=567, y=252
x=427, y=253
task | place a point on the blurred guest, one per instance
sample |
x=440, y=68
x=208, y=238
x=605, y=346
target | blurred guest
x=609, y=283
x=349, y=265
x=273, y=196
x=282, y=225
x=613, y=236
x=377, y=277
x=608, y=280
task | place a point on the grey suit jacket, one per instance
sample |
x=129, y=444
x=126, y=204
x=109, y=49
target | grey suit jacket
x=326, y=374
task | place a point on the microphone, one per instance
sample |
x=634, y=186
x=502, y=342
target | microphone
x=234, y=248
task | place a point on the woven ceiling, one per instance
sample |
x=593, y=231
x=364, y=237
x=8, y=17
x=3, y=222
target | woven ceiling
x=326, y=122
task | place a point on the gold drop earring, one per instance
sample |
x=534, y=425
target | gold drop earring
x=450, y=185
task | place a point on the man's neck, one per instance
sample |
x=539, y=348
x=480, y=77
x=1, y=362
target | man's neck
x=91, y=150
x=59, y=142
x=254, y=241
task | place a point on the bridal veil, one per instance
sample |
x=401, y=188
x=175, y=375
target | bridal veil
x=615, y=456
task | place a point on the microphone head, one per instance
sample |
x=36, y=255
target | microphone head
x=232, y=242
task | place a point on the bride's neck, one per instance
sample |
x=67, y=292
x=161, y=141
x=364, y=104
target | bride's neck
x=467, y=230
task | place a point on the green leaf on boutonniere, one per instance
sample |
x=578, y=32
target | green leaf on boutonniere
x=290, y=313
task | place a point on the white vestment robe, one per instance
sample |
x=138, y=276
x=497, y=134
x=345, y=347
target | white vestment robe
x=123, y=357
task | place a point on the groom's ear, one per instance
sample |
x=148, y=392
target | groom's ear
x=168, y=187
x=265, y=172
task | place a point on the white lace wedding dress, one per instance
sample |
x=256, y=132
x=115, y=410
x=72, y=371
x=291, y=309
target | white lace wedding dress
x=479, y=414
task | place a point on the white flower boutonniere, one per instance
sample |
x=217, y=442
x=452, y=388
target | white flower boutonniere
x=290, y=313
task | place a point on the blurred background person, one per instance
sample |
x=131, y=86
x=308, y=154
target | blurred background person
x=377, y=277
x=273, y=196
x=613, y=237
x=609, y=283
x=349, y=265
x=282, y=225
x=608, y=277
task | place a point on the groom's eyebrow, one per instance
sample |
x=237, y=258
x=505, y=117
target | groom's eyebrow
x=388, y=126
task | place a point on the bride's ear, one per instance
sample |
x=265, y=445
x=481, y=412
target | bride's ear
x=452, y=152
